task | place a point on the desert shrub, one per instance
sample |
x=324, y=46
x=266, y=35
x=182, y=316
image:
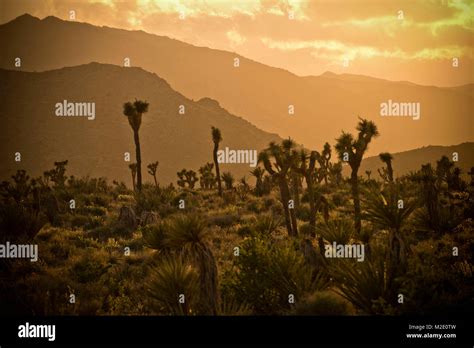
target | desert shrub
x=436, y=281
x=303, y=212
x=266, y=275
x=224, y=220
x=305, y=229
x=89, y=267
x=255, y=206
x=322, y=303
x=79, y=220
x=92, y=210
x=339, y=199
x=19, y=223
x=157, y=199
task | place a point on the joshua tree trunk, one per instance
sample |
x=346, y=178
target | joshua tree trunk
x=396, y=257
x=296, y=191
x=312, y=206
x=218, y=174
x=133, y=180
x=139, y=160
x=285, y=197
x=390, y=172
x=156, y=182
x=355, y=197
x=208, y=280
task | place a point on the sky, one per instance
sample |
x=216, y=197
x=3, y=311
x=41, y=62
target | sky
x=423, y=41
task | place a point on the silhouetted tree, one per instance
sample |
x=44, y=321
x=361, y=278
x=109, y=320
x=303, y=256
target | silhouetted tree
x=134, y=112
x=352, y=151
x=283, y=158
x=368, y=173
x=386, y=174
x=258, y=174
x=152, y=167
x=187, y=177
x=335, y=173
x=306, y=168
x=207, y=179
x=228, y=180
x=217, y=138
x=133, y=170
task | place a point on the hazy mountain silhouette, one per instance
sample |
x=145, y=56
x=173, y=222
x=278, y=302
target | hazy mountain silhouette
x=407, y=161
x=96, y=147
x=324, y=105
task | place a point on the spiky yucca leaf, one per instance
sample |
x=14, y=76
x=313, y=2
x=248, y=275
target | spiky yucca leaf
x=383, y=209
x=171, y=278
x=340, y=231
x=362, y=283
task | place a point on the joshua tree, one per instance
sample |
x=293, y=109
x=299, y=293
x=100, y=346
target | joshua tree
x=207, y=180
x=228, y=180
x=387, y=174
x=430, y=192
x=258, y=174
x=284, y=157
x=307, y=168
x=352, y=151
x=217, y=138
x=57, y=175
x=152, y=167
x=335, y=173
x=455, y=182
x=368, y=173
x=323, y=160
x=133, y=170
x=443, y=171
x=187, y=177
x=471, y=174
x=134, y=112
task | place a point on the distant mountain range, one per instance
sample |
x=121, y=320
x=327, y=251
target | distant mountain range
x=29, y=124
x=407, y=161
x=323, y=105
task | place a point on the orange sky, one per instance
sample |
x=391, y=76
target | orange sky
x=369, y=35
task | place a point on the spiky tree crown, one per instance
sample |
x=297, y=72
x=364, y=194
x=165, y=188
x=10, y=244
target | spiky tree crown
x=386, y=157
x=216, y=135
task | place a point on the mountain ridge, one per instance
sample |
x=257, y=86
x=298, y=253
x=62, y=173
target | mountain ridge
x=96, y=147
x=259, y=93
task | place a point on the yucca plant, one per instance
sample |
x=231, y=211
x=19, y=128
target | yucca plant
x=389, y=211
x=264, y=225
x=188, y=235
x=339, y=230
x=364, y=284
x=174, y=286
